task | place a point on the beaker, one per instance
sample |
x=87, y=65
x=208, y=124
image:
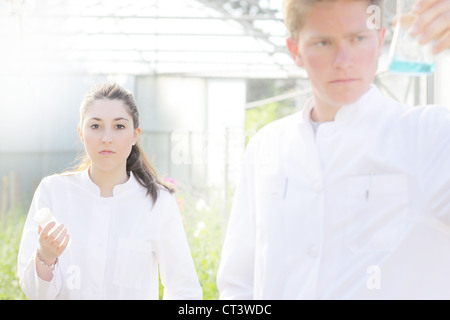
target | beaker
x=406, y=55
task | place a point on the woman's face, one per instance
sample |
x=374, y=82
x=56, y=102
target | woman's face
x=108, y=134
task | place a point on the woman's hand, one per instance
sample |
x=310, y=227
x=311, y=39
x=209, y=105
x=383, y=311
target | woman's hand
x=433, y=23
x=52, y=243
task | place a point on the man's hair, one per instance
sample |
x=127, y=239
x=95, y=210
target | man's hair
x=295, y=10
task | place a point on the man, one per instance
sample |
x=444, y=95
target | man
x=349, y=198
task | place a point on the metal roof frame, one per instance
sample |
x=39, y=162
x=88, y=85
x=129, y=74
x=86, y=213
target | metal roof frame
x=47, y=33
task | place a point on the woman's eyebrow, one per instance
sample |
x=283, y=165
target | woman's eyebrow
x=116, y=119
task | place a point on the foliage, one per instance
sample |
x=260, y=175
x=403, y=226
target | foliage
x=10, y=236
x=257, y=118
x=204, y=220
x=259, y=89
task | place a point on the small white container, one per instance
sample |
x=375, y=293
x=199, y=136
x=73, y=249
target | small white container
x=44, y=216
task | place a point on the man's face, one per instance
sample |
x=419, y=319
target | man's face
x=339, y=52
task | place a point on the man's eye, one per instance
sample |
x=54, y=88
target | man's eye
x=323, y=43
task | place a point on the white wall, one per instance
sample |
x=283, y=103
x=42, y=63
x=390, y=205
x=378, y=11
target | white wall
x=226, y=121
x=184, y=122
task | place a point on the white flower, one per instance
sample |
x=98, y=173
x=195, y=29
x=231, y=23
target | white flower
x=201, y=205
x=200, y=226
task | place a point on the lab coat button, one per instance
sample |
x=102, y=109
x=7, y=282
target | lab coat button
x=313, y=251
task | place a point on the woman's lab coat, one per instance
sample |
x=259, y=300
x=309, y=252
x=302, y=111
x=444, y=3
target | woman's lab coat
x=117, y=243
x=359, y=210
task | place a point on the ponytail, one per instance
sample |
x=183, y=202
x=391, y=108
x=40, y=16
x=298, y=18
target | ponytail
x=145, y=173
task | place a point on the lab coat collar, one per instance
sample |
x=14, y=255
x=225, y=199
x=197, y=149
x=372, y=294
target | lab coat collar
x=130, y=185
x=347, y=113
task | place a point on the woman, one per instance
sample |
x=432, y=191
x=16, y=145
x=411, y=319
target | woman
x=122, y=220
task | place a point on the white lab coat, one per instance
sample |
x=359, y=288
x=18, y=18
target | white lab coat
x=359, y=210
x=117, y=243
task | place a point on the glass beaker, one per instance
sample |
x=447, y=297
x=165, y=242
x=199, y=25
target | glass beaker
x=406, y=55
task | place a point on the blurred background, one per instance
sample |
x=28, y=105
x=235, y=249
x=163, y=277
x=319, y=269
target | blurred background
x=207, y=74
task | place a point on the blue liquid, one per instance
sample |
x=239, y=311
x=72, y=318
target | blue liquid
x=401, y=66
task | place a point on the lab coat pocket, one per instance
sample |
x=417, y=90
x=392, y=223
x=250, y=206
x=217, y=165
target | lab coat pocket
x=133, y=260
x=376, y=212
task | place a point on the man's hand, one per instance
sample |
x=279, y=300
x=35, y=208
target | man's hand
x=433, y=23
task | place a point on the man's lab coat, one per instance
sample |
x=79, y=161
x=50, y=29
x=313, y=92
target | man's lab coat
x=358, y=210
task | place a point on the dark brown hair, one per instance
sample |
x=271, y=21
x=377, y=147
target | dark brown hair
x=137, y=162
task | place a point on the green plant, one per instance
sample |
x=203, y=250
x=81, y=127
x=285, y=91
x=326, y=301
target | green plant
x=260, y=89
x=205, y=233
x=204, y=223
x=10, y=236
